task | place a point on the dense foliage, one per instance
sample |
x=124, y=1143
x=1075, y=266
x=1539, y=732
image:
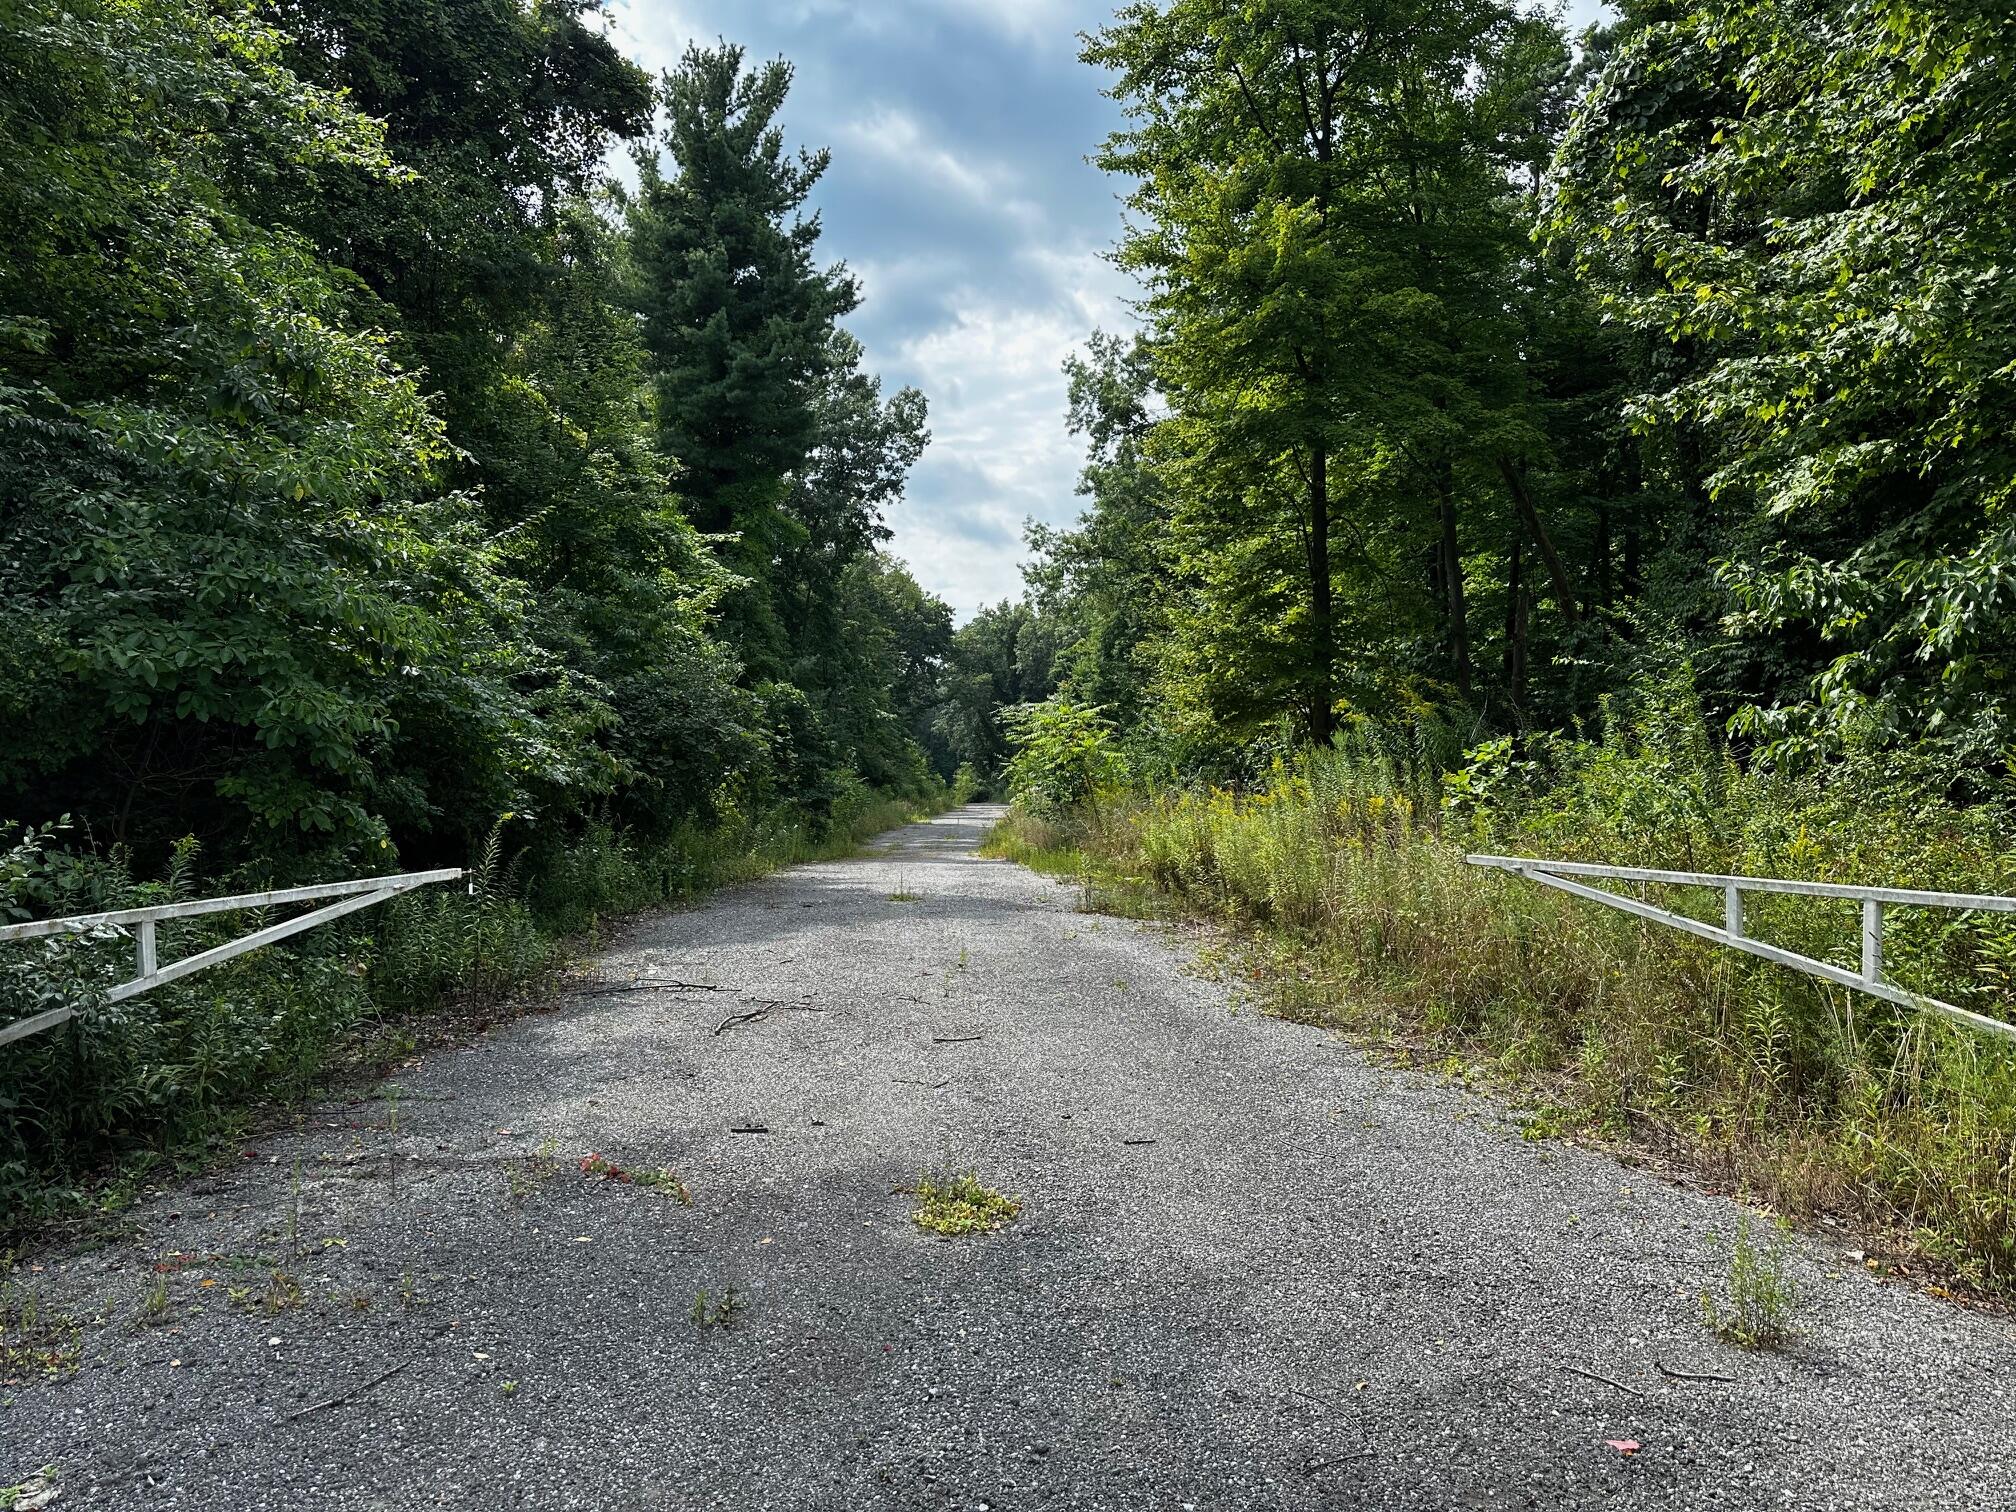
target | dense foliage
x=379, y=482
x=1486, y=369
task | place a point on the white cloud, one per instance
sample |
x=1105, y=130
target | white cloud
x=895, y=137
x=1041, y=22
x=1000, y=453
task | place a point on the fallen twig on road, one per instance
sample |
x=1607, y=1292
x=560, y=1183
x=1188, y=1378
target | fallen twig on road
x=1343, y=1459
x=611, y=989
x=955, y=1039
x=911, y=1081
x=355, y=1391
x=1690, y=1375
x=1591, y=1375
x=761, y=1010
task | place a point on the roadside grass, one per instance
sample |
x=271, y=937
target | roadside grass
x=951, y=1204
x=1342, y=882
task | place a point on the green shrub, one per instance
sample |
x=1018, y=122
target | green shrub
x=1065, y=754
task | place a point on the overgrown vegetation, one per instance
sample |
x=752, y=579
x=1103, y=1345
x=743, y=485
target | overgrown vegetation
x=1540, y=445
x=1344, y=868
x=164, y=1072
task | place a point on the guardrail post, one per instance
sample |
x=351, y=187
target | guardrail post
x=1872, y=941
x=1732, y=910
x=143, y=948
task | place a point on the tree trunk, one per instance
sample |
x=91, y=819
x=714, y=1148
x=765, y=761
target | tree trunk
x=1452, y=584
x=1515, y=624
x=1322, y=650
x=1563, y=589
x=1604, y=596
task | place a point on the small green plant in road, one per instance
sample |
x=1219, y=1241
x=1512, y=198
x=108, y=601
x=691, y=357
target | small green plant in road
x=33, y=1338
x=527, y=1177
x=32, y=1494
x=903, y=894
x=717, y=1311
x=1757, y=1310
x=653, y=1178
x=281, y=1293
x=507, y=1388
x=952, y=1204
x=154, y=1309
x=659, y=1179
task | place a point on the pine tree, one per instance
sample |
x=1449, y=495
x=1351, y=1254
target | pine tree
x=738, y=319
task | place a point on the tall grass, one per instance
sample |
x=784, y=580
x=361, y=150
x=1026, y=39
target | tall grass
x=1345, y=869
x=126, y=1083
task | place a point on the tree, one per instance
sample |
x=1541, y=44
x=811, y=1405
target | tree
x=226, y=564
x=1064, y=754
x=1107, y=583
x=738, y=320
x=1327, y=230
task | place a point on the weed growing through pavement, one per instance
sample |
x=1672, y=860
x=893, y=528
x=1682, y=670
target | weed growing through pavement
x=950, y=1204
x=154, y=1309
x=654, y=1178
x=1757, y=1311
x=39, y=1490
x=712, y=1311
x=32, y=1337
x=903, y=894
x=281, y=1293
x=527, y=1177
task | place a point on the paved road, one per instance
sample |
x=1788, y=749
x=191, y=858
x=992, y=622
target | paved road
x=1252, y=1270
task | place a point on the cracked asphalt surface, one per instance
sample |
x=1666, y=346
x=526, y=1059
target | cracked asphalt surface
x=1253, y=1270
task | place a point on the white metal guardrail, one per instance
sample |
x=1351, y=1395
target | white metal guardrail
x=1874, y=900
x=141, y=922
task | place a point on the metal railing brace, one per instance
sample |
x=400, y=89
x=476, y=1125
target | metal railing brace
x=141, y=922
x=1874, y=901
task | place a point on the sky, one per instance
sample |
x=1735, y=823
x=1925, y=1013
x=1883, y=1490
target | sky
x=960, y=197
